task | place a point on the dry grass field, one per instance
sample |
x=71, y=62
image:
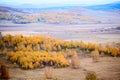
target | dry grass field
x=106, y=67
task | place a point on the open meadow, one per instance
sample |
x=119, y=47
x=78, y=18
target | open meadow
x=103, y=37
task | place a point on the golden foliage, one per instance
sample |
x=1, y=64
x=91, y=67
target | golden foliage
x=115, y=51
x=38, y=43
x=31, y=60
x=30, y=52
x=69, y=53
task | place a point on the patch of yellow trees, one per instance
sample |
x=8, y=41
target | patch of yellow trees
x=37, y=51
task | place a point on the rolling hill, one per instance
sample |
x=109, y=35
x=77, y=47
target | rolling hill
x=75, y=14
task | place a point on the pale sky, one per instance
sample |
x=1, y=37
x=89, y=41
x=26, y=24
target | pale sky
x=88, y=2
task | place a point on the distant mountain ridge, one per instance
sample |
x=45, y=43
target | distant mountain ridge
x=111, y=6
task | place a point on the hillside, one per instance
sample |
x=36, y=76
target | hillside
x=9, y=9
x=98, y=14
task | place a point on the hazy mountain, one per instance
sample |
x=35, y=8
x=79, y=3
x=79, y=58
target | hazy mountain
x=9, y=9
x=112, y=6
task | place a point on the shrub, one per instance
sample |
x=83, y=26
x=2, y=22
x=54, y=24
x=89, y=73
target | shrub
x=70, y=53
x=91, y=75
x=38, y=43
x=75, y=62
x=4, y=71
x=1, y=44
x=31, y=60
x=115, y=51
x=48, y=73
x=95, y=55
